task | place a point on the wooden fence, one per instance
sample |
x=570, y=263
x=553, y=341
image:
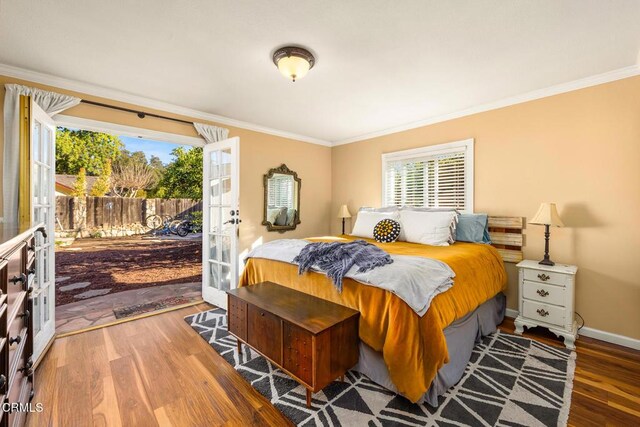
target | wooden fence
x=105, y=212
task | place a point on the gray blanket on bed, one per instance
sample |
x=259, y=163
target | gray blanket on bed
x=415, y=280
x=335, y=259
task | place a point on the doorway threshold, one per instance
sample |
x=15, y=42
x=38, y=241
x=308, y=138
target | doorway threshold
x=121, y=306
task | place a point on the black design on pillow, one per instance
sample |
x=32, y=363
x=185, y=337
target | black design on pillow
x=386, y=231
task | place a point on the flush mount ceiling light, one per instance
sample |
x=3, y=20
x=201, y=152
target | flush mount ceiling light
x=293, y=62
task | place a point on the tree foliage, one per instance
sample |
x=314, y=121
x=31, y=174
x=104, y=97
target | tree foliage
x=76, y=149
x=183, y=176
x=132, y=175
x=103, y=184
x=125, y=173
x=80, y=184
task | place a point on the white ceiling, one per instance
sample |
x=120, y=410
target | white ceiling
x=380, y=64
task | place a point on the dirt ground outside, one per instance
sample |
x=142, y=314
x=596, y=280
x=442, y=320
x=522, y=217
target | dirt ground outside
x=90, y=268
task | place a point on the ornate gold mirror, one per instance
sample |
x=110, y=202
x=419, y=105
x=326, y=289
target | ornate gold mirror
x=281, y=199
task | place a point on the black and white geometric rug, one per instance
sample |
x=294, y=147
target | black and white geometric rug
x=510, y=381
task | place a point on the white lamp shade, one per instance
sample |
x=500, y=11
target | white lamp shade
x=344, y=212
x=293, y=67
x=547, y=215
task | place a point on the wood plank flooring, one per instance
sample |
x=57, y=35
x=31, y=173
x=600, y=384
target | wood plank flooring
x=156, y=371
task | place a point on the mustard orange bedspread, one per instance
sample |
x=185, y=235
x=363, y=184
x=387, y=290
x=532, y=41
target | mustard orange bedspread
x=413, y=347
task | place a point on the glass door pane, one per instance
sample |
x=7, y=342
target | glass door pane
x=43, y=211
x=221, y=218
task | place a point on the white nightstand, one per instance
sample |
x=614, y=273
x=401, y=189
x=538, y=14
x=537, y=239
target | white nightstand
x=547, y=295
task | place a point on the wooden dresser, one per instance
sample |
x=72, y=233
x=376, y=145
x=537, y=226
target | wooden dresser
x=17, y=267
x=313, y=340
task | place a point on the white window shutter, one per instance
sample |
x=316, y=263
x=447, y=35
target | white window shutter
x=435, y=176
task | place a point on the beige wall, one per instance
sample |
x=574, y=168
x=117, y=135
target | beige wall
x=579, y=149
x=258, y=153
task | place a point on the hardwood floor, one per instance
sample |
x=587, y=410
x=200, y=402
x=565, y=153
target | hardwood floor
x=606, y=386
x=156, y=371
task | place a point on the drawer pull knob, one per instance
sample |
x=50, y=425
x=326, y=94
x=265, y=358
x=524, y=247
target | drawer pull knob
x=25, y=315
x=18, y=279
x=3, y=383
x=32, y=270
x=542, y=312
x=262, y=314
x=543, y=277
x=542, y=292
x=15, y=340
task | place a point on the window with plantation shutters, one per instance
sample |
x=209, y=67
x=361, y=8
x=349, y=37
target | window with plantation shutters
x=439, y=176
x=280, y=191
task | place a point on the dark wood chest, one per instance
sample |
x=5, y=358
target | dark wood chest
x=313, y=340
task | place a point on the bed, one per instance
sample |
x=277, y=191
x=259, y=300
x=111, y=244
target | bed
x=418, y=357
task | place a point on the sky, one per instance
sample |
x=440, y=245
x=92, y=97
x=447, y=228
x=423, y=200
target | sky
x=149, y=147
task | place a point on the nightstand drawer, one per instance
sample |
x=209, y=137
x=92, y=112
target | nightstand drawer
x=544, y=312
x=549, y=277
x=549, y=294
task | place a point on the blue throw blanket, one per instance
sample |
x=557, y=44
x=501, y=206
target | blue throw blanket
x=337, y=258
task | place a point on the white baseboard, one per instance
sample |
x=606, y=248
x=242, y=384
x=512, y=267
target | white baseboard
x=597, y=334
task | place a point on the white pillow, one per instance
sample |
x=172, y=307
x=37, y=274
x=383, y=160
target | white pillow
x=428, y=228
x=367, y=220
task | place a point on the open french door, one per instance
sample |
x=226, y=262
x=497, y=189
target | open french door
x=220, y=219
x=43, y=202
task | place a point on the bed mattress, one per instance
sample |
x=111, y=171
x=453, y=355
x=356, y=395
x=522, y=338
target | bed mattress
x=414, y=348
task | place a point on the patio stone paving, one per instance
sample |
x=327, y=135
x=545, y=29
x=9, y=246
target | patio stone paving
x=92, y=293
x=98, y=311
x=73, y=286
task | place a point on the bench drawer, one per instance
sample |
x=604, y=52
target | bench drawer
x=237, y=317
x=298, y=352
x=264, y=333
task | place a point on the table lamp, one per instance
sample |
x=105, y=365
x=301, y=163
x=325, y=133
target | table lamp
x=547, y=215
x=344, y=214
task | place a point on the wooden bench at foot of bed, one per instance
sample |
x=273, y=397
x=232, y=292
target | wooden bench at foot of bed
x=313, y=340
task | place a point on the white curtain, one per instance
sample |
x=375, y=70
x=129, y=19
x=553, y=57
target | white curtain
x=210, y=133
x=52, y=103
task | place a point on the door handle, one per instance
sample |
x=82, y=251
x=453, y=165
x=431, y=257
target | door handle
x=43, y=231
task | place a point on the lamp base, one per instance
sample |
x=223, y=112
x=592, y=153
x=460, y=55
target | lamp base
x=546, y=260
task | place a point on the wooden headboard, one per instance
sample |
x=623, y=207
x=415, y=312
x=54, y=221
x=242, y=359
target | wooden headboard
x=506, y=236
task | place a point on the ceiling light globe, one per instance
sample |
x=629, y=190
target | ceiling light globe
x=293, y=62
x=293, y=67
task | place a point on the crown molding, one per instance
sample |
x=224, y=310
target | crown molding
x=621, y=73
x=103, y=92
